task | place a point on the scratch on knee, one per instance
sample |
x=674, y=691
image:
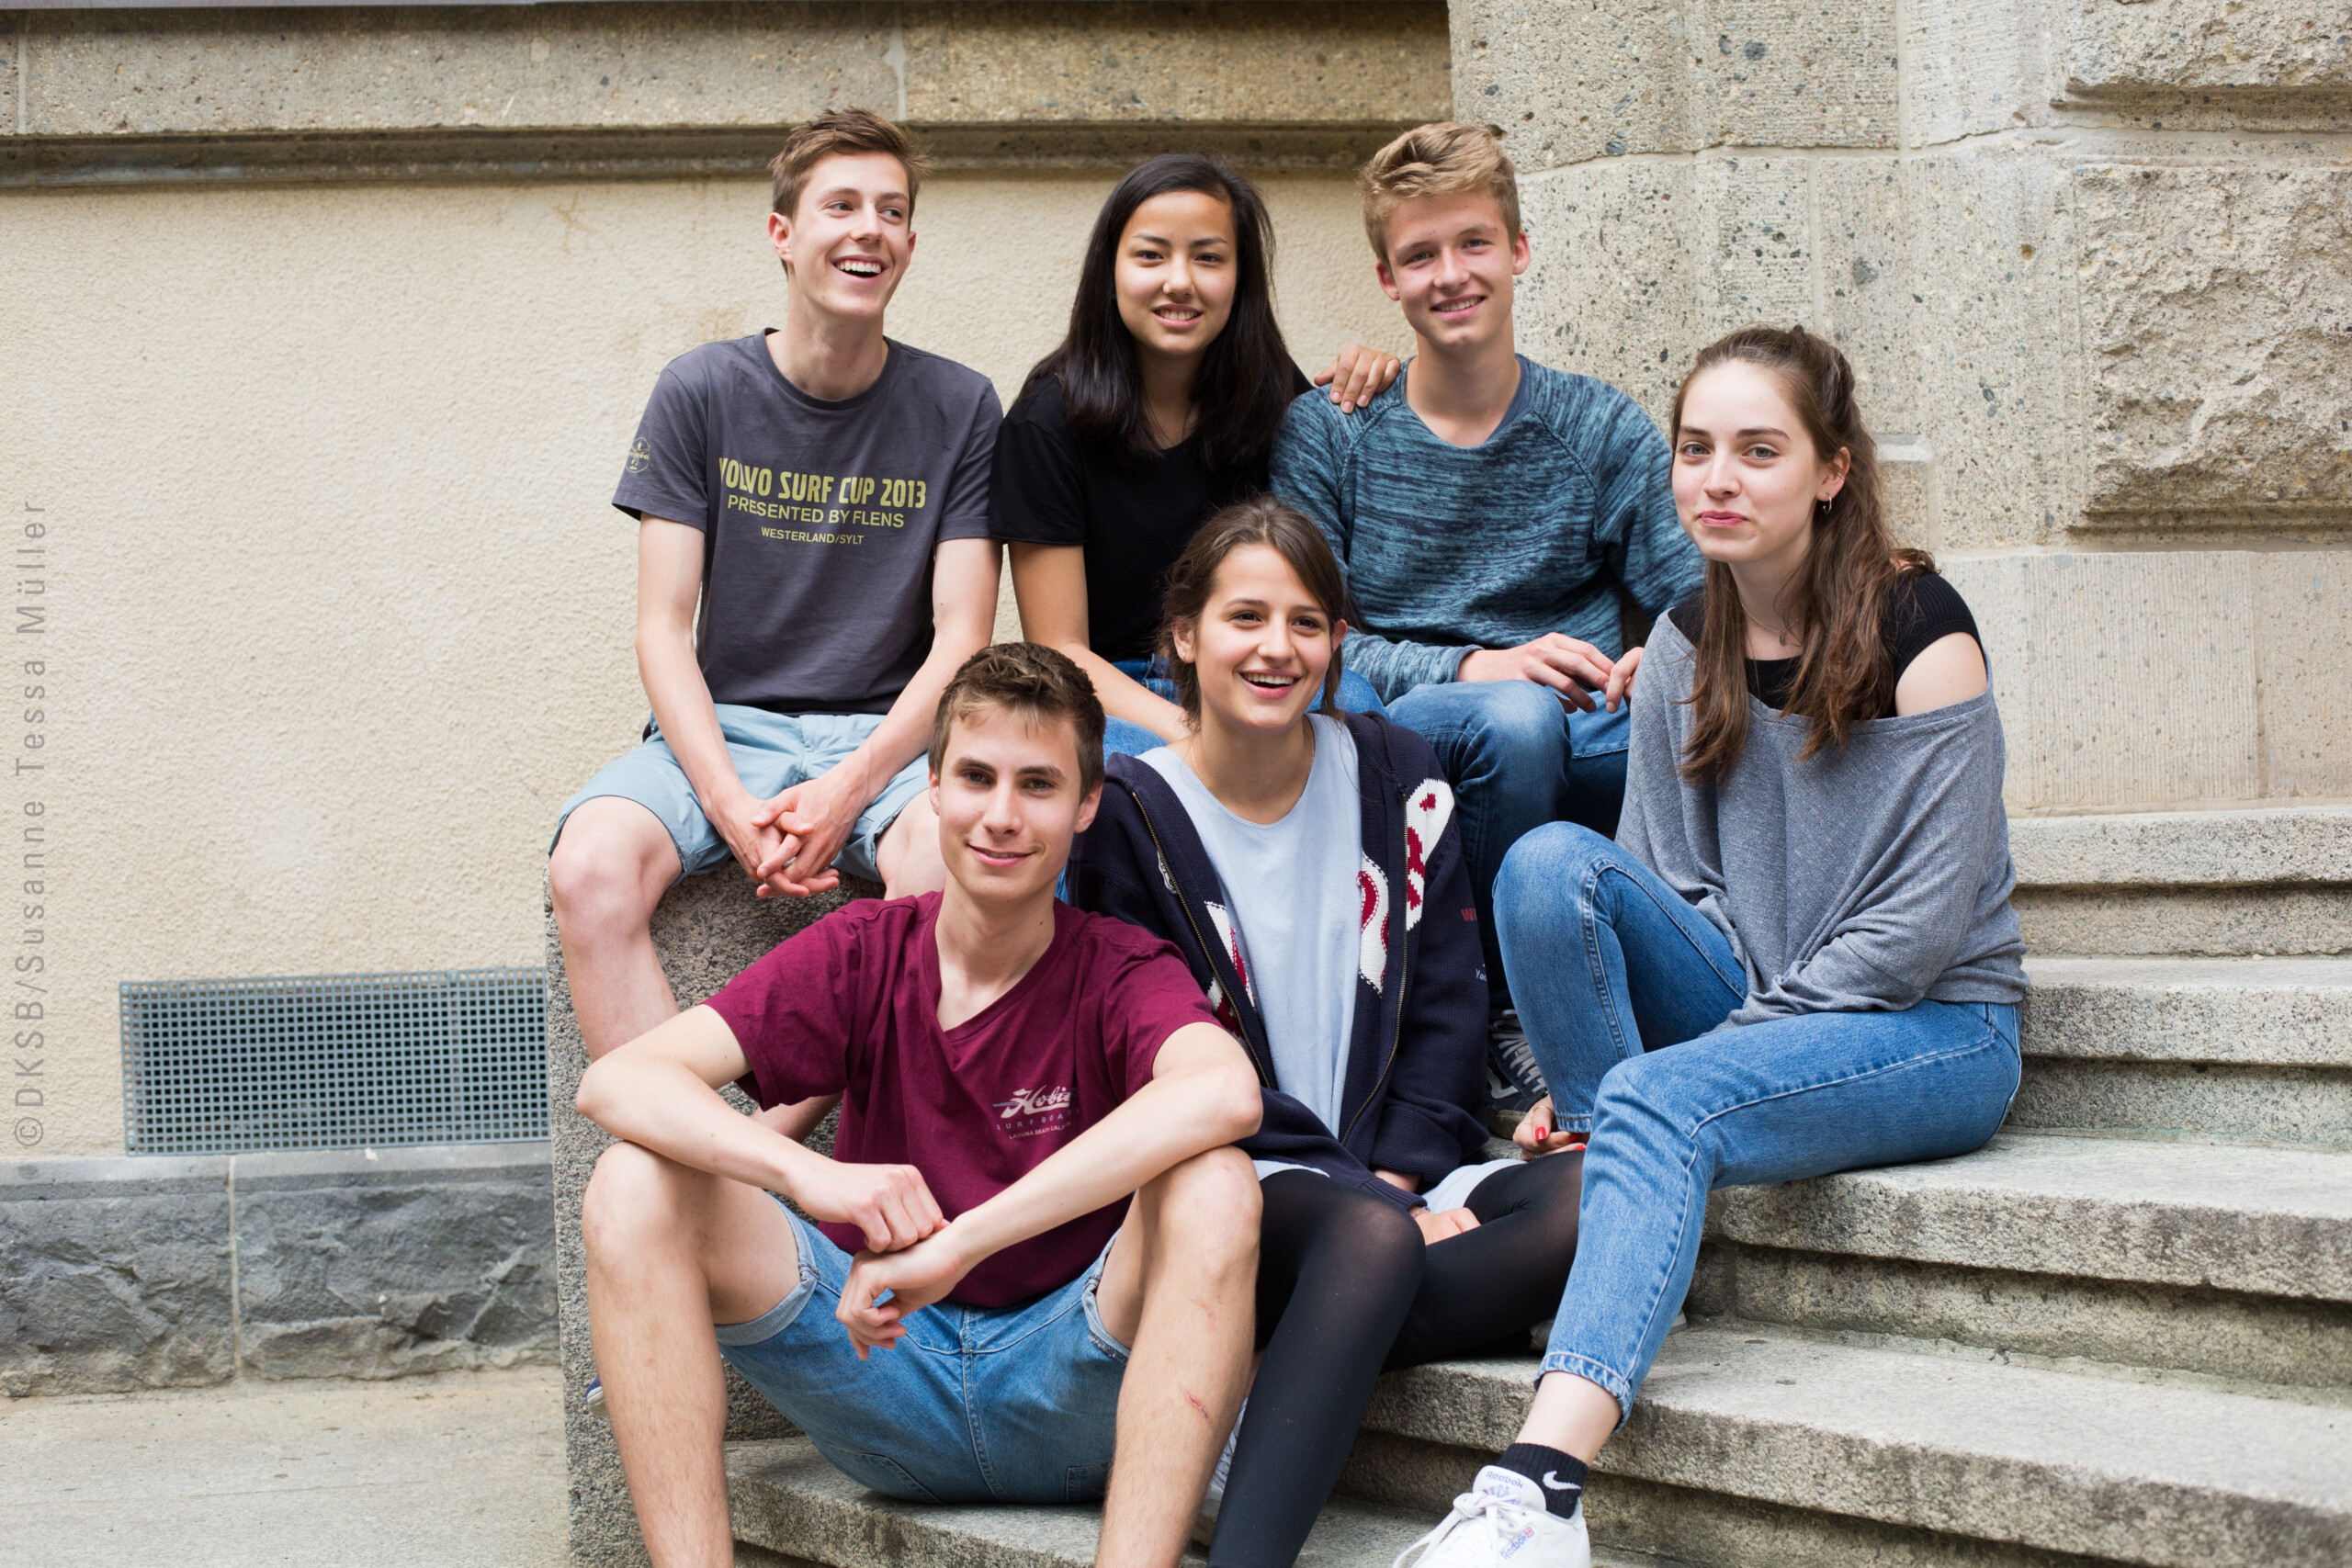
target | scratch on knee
x=1194, y=1401
x=1208, y=1309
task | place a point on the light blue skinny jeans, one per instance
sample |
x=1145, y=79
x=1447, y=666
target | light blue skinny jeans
x=1619, y=984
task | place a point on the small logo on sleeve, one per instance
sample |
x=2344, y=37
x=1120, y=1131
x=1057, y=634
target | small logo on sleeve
x=639, y=455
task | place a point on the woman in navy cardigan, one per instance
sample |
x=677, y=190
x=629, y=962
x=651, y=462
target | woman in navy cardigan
x=1307, y=866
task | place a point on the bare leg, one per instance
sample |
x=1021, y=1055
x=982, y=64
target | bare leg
x=671, y=1251
x=909, y=852
x=608, y=871
x=1178, y=1289
x=1571, y=1414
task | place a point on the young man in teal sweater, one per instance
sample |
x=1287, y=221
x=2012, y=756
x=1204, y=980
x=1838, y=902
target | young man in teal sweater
x=1490, y=511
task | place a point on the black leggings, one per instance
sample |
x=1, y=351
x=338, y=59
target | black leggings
x=1346, y=1291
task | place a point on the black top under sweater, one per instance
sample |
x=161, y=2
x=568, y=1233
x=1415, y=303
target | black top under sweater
x=1921, y=610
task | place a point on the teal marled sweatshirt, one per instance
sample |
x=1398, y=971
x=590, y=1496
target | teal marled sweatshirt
x=1451, y=548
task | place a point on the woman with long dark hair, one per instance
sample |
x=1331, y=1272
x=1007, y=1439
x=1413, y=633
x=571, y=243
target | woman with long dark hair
x=1798, y=957
x=1306, y=864
x=1159, y=406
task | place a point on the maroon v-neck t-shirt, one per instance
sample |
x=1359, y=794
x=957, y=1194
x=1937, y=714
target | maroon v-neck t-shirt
x=851, y=1006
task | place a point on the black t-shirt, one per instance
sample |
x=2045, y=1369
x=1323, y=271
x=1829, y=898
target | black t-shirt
x=1132, y=516
x=819, y=519
x=1921, y=610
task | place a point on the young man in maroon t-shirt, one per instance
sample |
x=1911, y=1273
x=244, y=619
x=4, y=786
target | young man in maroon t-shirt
x=1011, y=1072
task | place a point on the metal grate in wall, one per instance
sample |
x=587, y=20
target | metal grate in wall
x=334, y=1061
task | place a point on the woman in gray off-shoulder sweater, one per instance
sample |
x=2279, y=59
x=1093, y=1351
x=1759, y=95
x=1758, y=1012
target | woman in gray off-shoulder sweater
x=1798, y=957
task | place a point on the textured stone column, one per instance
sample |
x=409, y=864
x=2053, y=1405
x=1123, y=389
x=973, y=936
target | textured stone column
x=708, y=930
x=2092, y=260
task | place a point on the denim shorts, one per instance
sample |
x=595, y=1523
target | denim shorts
x=975, y=1405
x=771, y=752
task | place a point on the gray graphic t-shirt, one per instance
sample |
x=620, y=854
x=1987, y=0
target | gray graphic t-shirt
x=819, y=519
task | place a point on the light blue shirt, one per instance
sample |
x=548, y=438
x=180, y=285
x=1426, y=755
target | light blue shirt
x=1291, y=888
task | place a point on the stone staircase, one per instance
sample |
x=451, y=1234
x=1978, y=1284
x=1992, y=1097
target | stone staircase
x=2121, y=1333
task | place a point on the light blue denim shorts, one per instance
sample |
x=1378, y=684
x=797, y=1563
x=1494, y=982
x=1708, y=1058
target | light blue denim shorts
x=771, y=752
x=975, y=1405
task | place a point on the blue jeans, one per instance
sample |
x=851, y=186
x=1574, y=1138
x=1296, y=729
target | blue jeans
x=1619, y=985
x=1519, y=759
x=1122, y=738
x=975, y=1405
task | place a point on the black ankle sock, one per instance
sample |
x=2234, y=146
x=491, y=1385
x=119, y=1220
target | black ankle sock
x=1560, y=1475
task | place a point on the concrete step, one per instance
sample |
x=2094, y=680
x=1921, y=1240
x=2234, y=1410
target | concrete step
x=2236, y=1047
x=2239, y=880
x=1752, y=1446
x=2215, y=1261
x=785, y=1498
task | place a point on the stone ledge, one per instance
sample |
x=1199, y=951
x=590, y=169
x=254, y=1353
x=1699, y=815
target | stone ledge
x=297, y=157
x=2290, y=1013
x=377, y=1263
x=2217, y=46
x=214, y=72
x=120, y=1175
x=2261, y=1220
x=346, y=1263
x=2136, y=1332
x=2116, y=1471
x=418, y=1165
x=118, y=1275
x=2232, y=847
x=785, y=1497
x=2201, y=1048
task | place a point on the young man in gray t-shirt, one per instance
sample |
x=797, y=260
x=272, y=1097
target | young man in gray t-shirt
x=813, y=564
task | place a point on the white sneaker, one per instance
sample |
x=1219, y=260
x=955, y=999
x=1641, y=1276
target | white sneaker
x=1212, y=1500
x=1502, y=1520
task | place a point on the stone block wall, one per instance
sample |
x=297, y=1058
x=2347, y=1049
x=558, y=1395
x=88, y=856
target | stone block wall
x=127, y=1274
x=2092, y=260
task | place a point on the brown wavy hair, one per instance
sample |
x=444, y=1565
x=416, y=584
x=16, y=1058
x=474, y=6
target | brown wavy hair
x=835, y=131
x=1844, y=674
x=1282, y=528
x=1037, y=684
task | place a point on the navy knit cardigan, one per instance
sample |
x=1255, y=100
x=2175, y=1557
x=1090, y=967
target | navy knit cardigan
x=1416, y=1076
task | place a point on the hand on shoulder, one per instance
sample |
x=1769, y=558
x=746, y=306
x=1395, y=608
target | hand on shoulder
x=1359, y=374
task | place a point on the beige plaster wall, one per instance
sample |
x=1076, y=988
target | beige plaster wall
x=337, y=612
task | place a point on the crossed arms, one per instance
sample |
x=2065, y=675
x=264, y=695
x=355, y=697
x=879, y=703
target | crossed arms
x=661, y=1092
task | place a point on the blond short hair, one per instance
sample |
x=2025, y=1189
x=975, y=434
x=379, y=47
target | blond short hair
x=1446, y=158
x=838, y=131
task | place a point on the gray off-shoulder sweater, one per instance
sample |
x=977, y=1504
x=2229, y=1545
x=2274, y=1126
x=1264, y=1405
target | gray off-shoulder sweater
x=1859, y=880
